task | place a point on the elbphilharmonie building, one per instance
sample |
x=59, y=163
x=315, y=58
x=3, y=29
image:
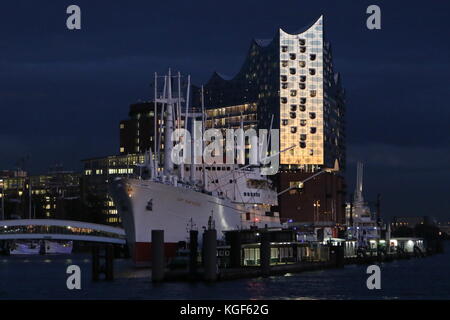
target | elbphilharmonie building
x=287, y=83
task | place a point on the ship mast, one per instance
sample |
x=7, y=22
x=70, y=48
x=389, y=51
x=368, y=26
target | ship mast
x=168, y=164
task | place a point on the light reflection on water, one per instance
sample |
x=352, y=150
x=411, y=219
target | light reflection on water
x=44, y=277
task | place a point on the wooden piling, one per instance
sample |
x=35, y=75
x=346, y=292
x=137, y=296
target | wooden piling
x=210, y=255
x=265, y=254
x=157, y=255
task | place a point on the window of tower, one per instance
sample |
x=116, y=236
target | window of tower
x=302, y=107
x=283, y=78
x=312, y=71
x=293, y=107
x=302, y=78
x=293, y=93
x=313, y=93
x=293, y=129
x=302, y=64
x=302, y=100
x=292, y=115
x=302, y=42
x=292, y=71
x=312, y=57
x=302, y=49
x=312, y=115
x=292, y=56
x=284, y=49
x=302, y=86
x=313, y=130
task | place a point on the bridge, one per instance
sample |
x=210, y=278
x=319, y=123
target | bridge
x=51, y=229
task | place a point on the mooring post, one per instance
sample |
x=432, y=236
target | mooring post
x=95, y=262
x=157, y=255
x=109, y=263
x=264, y=253
x=193, y=245
x=235, y=249
x=210, y=254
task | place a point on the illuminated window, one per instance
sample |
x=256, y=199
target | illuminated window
x=122, y=149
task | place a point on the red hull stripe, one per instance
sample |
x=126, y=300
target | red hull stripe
x=142, y=251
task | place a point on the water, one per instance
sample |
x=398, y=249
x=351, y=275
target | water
x=44, y=277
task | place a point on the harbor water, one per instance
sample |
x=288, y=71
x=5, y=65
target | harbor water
x=44, y=277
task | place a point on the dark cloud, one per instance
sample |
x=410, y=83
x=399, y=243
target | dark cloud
x=62, y=93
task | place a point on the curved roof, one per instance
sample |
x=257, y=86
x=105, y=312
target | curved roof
x=261, y=44
x=305, y=28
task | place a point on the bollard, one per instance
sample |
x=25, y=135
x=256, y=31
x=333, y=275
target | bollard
x=193, y=245
x=340, y=256
x=95, y=263
x=109, y=263
x=235, y=249
x=157, y=255
x=264, y=253
x=210, y=255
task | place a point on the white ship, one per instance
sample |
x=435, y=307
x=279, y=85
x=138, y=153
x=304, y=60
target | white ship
x=220, y=196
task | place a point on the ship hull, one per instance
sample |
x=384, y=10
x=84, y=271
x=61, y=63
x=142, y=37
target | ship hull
x=146, y=205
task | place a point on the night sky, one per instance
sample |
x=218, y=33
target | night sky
x=63, y=93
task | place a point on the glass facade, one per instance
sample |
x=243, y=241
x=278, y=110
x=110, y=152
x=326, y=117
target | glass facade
x=291, y=80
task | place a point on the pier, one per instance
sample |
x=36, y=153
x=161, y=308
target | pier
x=260, y=253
